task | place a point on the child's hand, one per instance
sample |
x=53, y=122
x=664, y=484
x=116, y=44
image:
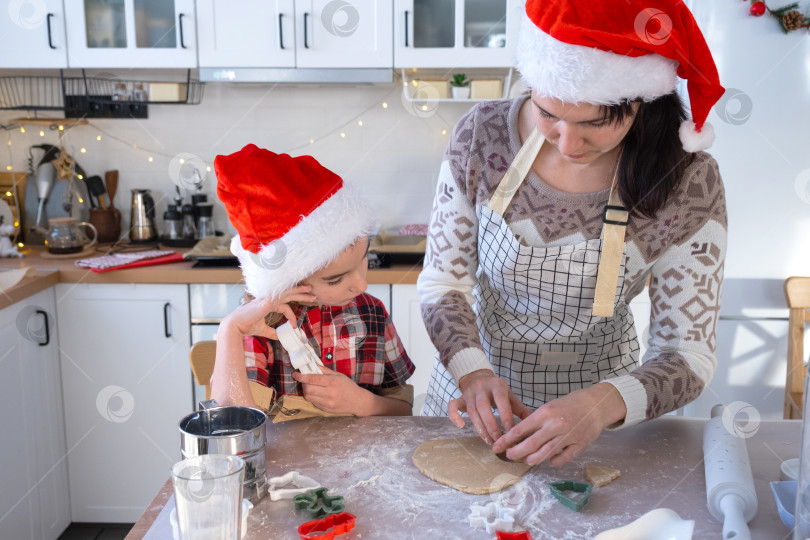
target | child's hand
x=332, y=392
x=248, y=319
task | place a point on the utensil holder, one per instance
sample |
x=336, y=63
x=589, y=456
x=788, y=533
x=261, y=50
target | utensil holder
x=107, y=223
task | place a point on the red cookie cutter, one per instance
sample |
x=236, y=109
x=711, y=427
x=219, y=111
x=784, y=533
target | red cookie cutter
x=520, y=535
x=328, y=527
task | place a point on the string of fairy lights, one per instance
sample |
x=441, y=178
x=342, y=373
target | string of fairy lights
x=422, y=108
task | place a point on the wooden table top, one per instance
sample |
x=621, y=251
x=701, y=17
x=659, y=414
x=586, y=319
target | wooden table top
x=368, y=462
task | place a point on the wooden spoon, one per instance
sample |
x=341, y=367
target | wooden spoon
x=111, y=183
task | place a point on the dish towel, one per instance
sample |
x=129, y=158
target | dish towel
x=105, y=262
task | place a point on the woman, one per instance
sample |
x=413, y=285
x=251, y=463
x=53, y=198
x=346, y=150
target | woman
x=551, y=213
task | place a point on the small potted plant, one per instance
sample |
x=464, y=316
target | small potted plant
x=461, y=86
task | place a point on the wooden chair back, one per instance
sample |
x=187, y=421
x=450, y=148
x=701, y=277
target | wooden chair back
x=202, y=357
x=797, y=294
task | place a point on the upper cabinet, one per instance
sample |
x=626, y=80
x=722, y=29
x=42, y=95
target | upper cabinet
x=295, y=33
x=455, y=33
x=229, y=39
x=131, y=33
x=32, y=35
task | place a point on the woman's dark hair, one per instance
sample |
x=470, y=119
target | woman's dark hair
x=653, y=160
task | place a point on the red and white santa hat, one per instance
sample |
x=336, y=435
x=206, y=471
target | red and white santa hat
x=292, y=215
x=592, y=51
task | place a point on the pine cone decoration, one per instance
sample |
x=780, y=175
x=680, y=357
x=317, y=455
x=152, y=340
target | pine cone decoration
x=792, y=20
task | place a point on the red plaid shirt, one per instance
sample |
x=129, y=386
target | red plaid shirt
x=358, y=340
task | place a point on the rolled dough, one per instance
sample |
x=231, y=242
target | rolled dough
x=466, y=464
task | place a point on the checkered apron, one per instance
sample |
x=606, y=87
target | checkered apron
x=534, y=312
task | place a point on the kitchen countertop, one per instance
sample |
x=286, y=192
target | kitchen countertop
x=51, y=271
x=368, y=462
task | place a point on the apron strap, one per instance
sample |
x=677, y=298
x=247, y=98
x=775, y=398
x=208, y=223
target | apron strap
x=517, y=172
x=614, y=224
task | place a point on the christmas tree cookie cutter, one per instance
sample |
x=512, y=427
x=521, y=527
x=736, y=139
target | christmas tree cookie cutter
x=278, y=491
x=492, y=517
x=574, y=502
x=318, y=503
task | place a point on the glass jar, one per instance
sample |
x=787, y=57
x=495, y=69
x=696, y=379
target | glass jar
x=120, y=93
x=206, y=220
x=189, y=230
x=138, y=92
x=172, y=223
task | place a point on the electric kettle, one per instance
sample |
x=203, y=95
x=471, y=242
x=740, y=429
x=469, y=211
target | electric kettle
x=142, y=220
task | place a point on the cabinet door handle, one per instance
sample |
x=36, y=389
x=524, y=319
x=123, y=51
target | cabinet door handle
x=50, y=40
x=166, y=330
x=180, y=24
x=407, y=13
x=306, y=34
x=280, y=32
x=47, y=328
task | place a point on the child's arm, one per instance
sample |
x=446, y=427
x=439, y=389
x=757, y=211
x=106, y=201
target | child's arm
x=336, y=393
x=229, y=382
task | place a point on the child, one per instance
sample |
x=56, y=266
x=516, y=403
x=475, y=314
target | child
x=302, y=244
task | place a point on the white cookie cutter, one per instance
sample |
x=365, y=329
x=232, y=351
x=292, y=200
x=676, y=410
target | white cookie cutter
x=302, y=485
x=302, y=355
x=492, y=517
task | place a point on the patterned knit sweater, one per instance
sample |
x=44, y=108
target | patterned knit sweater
x=682, y=251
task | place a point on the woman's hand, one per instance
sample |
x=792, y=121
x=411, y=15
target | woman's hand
x=248, y=319
x=562, y=429
x=481, y=391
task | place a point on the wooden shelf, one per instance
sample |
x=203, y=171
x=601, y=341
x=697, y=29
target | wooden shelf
x=67, y=122
x=505, y=75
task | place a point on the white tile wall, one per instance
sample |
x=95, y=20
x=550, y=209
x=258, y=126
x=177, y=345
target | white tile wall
x=394, y=158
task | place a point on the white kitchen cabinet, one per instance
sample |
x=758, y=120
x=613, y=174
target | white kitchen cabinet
x=126, y=383
x=407, y=316
x=382, y=292
x=34, y=498
x=295, y=33
x=230, y=39
x=354, y=34
x=131, y=33
x=455, y=33
x=32, y=35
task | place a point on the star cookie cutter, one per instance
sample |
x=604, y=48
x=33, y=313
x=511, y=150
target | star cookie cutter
x=492, y=517
x=574, y=502
x=318, y=503
x=302, y=484
x=328, y=527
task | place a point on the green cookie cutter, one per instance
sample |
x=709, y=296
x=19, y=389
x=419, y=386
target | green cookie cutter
x=558, y=489
x=318, y=503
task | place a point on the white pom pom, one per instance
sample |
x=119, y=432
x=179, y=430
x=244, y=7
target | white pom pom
x=694, y=141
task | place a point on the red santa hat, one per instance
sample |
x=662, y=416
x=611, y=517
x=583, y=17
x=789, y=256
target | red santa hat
x=292, y=215
x=603, y=53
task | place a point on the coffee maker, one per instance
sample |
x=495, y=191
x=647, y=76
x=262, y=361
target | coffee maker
x=142, y=218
